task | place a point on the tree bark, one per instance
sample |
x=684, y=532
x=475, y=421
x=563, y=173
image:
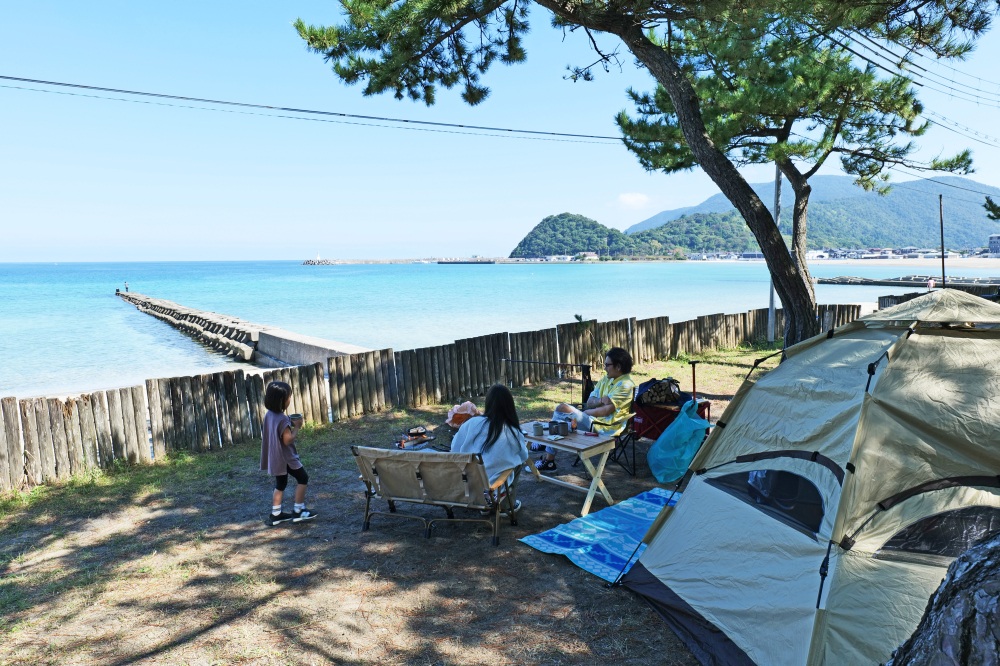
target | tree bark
x=961, y=624
x=802, y=189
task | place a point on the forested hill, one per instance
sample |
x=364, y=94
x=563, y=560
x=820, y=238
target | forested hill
x=572, y=234
x=839, y=216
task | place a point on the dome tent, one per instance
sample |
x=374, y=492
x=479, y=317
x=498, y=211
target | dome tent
x=823, y=510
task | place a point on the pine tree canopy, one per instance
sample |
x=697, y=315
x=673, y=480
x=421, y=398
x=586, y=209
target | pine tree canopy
x=768, y=63
x=992, y=209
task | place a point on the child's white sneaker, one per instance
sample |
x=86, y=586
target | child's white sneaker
x=303, y=515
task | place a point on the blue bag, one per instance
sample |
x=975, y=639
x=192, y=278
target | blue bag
x=676, y=446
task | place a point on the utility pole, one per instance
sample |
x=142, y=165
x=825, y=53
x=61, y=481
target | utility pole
x=777, y=214
x=944, y=281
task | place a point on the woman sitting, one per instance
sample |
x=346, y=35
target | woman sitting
x=497, y=437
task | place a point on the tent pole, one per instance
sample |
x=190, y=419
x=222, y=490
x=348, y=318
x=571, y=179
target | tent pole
x=944, y=280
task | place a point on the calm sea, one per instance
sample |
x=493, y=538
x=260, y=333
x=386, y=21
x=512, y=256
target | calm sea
x=62, y=330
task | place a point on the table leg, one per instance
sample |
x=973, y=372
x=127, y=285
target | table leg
x=596, y=484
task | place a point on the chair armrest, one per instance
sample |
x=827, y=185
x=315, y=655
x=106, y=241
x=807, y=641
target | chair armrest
x=502, y=479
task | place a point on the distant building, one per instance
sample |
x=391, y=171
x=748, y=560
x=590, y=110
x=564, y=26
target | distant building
x=588, y=256
x=994, y=245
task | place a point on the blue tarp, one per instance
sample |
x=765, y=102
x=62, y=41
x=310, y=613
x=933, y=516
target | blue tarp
x=603, y=541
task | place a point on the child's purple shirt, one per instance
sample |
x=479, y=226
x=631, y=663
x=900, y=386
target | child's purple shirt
x=275, y=457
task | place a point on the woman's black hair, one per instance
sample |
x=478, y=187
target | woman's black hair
x=500, y=413
x=276, y=395
x=621, y=358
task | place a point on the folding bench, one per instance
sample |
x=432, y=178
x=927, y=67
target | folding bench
x=443, y=479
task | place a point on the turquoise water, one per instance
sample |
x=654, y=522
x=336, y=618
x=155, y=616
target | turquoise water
x=63, y=331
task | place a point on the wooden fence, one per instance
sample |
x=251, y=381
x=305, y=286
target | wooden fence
x=50, y=439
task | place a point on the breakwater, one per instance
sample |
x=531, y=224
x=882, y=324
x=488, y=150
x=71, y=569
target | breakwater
x=266, y=346
x=975, y=286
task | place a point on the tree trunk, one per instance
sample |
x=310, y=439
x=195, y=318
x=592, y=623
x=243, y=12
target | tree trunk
x=791, y=282
x=802, y=188
x=961, y=624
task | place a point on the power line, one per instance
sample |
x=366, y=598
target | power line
x=938, y=182
x=305, y=119
x=969, y=97
x=246, y=105
x=937, y=62
x=987, y=140
x=903, y=64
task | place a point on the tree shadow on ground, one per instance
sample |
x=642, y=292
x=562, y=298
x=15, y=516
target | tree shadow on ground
x=173, y=563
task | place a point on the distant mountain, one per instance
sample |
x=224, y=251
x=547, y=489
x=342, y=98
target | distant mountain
x=712, y=232
x=843, y=215
x=825, y=188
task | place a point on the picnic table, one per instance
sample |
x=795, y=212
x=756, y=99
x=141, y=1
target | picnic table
x=585, y=447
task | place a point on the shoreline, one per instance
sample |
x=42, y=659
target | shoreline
x=950, y=264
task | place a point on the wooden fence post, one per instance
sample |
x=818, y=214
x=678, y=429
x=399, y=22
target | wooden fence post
x=155, y=418
x=88, y=430
x=7, y=460
x=128, y=419
x=45, y=443
x=244, y=406
x=102, y=423
x=15, y=445
x=141, y=419
x=232, y=406
x=74, y=442
x=58, y=427
x=32, y=454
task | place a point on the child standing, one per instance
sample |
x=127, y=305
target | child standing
x=279, y=457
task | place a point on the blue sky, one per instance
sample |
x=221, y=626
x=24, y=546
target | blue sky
x=84, y=179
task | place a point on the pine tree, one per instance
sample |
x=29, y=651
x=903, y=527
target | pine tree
x=410, y=47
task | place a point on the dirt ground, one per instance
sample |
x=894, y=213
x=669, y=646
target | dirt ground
x=172, y=564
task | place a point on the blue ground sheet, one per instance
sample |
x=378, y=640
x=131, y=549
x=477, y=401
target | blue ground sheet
x=602, y=542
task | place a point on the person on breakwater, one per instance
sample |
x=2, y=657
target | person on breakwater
x=497, y=437
x=607, y=409
x=126, y=286
x=279, y=457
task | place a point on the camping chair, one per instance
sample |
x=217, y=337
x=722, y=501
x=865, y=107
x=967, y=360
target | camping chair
x=447, y=480
x=622, y=441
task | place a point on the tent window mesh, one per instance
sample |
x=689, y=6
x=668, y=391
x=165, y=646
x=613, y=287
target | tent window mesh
x=790, y=498
x=945, y=535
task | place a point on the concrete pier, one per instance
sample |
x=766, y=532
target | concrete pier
x=265, y=346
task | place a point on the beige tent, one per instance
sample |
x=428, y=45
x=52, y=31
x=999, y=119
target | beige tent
x=825, y=507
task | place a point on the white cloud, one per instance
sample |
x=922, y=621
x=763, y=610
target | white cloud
x=633, y=200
